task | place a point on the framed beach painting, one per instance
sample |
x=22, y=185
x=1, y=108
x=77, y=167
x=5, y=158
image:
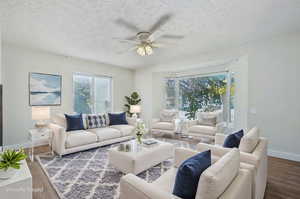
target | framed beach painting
x=44, y=89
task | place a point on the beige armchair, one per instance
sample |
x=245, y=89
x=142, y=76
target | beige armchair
x=168, y=122
x=206, y=125
x=253, y=151
x=224, y=179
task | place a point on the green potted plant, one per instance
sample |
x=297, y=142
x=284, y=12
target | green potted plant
x=133, y=99
x=10, y=162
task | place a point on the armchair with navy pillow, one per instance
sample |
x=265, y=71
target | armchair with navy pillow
x=223, y=179
x=253, y=151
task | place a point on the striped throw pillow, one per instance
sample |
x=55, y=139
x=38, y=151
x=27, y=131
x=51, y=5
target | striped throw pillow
x=96, y=121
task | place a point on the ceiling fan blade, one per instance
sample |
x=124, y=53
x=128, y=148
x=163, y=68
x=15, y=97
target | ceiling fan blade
x=126, y=40
x=128, y=25
x=162, y=45
x=162, y=21
x=158, y=35
x=127, y=50
x=166, y=36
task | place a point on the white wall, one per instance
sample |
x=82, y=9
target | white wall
x=19, y=61
x=269, y=91
x=274, y=68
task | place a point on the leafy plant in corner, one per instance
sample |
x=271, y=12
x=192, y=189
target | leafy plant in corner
x=133, y=99
x=11, y=158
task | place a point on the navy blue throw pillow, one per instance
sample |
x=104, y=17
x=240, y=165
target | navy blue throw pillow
x=74, y=122
x=233, y=140
x=188, y=175
x=117, y=119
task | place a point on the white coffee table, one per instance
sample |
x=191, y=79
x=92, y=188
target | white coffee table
x=140, y=157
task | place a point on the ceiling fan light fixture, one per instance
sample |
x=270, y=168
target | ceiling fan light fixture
x=145, y=49
x=149, y=49
x=141, y=51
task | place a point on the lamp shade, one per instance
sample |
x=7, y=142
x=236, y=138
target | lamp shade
x=135, y=109
x=40, y=113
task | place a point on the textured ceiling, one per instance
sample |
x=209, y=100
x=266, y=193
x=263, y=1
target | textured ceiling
x=85, y=28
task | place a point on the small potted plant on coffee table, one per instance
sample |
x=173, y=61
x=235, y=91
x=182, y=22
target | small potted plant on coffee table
x=10, y=162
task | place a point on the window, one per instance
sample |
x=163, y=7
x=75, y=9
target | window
x=210, y=92
x=171, y=100
x=92, y=94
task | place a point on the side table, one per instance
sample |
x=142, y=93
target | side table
x=40, y=137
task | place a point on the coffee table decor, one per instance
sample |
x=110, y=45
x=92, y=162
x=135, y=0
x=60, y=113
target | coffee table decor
x=140, y=130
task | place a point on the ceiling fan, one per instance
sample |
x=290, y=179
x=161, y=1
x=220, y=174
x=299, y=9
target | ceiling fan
x=145, y=41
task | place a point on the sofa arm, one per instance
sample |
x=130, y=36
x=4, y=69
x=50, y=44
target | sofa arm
x=59, y=135
x=220, y=151
x=182, y=154
x=215, y=150
x=220, y=139
x=132, y=186
x=249, y=159
x=241, y=187
x=131, y=121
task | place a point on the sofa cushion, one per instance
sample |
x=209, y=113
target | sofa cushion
x=188, y=175
x=163, y=126
x=106, y=133
x=79, y=138
x=125, y=130
x=117, y=118
x=249, y=141
x=209, y=130
x=215, y=179
x=168, y=115
x=74, y=122
x=96, y=120
x=234, y=139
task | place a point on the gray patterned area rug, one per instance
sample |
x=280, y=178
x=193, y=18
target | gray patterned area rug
x=88, y=174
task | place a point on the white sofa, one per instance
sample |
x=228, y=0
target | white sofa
x=198, y=129
x=223, y=180
x=253, y=151
x=167, y=123
x=64, y=142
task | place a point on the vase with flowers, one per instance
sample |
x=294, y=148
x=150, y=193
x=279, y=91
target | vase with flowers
x=140, y=130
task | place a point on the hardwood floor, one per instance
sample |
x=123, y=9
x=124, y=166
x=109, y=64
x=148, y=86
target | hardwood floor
x=283, y=179
x=42, y=189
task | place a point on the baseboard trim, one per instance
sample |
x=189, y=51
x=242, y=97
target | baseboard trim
x=284, y=155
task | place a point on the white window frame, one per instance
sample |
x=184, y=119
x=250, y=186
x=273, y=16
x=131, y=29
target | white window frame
x=93, y=76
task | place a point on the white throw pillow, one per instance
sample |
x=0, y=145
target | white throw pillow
x=249, y=141
x=168, y=115
x=216, y=178
x=207, y=118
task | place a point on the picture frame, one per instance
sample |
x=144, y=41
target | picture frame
x=44, y=89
